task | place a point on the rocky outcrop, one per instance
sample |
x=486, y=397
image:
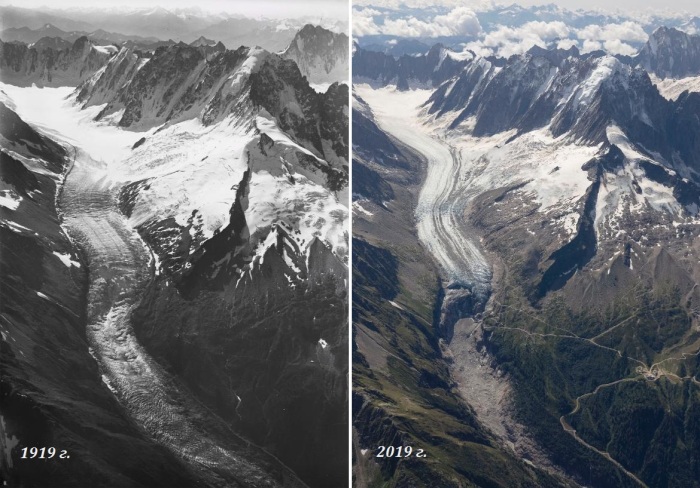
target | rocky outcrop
x=670, y=53
x=430, y=69
x=48, y=66
x=320, y=54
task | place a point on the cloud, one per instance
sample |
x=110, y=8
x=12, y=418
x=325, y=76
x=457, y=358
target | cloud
x=612, y=37
x=625, y=31
x=460, y=21
x=429, y=22
x=363, y=22
x=567, y=43
x=689, y=29
x=616, y=46
x=478, y=48
x=474, y=5
x=589, y=46
x=506, y=41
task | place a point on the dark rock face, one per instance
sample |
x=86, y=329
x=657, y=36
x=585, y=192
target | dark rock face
x=263, y=343
x=670, y=53
x=323, y=117
x=202, y=41
x=155, y=88
x=55, y=43
x=260, y=340
x=266, y=357
x=51, y=392
x=431, y=68
x=371, y=144
x=50, y=65
x=180, y=82
x=320, y=54
x=683, y=129
x=370, y=140
x=535, y=90
x=118, y=71
x=578, y=252
x=614, y=296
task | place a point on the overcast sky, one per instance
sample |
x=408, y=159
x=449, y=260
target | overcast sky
x=663, y=5
x=337, y=9
x=628, y=6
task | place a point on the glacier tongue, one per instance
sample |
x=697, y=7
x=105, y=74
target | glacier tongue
x=441, y=203
x=187, y=173
x=118, y=274
x=547, y=172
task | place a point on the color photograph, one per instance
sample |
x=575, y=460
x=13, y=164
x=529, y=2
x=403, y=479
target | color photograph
x=526, y=189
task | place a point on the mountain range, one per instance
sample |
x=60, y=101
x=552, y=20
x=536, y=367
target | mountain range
x=194, y=197
x=151, y=25
x=556, y=197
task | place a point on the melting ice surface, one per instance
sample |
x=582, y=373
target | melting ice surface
x=440, y=204
x=460, y=167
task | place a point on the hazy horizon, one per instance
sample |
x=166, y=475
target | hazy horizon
x=275, y=9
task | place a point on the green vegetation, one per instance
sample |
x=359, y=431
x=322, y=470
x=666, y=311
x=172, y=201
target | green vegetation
x=407, y=397
x=618, y=376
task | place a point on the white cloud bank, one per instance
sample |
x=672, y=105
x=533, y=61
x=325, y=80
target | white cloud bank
x=614, y=38
x=460, y=21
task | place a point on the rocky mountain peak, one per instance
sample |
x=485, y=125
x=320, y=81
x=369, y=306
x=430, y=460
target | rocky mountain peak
x=52, y=62
x=55, y=43
x=81, y=44
x=202, y=41
x=554, y=56
x=321, y=54
x=670, y=53
x=432, y=68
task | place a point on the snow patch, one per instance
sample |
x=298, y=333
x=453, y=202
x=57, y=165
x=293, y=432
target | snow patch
x=10, y=199
x=357, y=207
x=671, y=88
x=109, y=50
x=320, y=87
x=66, y=259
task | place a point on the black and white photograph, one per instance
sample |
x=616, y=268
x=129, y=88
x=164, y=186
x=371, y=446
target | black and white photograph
x=174, y=235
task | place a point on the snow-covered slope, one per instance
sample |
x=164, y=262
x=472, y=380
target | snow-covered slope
x=560, y=187
x=577, y=141
x=182, y=82
x=671, y=88
x=170, y=178
x=233, y=171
